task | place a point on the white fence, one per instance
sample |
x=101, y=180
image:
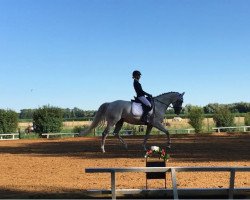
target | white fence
x=173, y=170
x=238, y=128
x=9, y=136
x=59, y=134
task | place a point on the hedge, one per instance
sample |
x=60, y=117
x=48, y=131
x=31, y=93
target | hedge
x=196, y=116
x=48, y=120
x=8, y=121
x=223, y=117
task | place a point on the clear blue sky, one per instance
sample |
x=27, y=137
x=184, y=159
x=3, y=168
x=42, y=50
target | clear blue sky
x=81, y=53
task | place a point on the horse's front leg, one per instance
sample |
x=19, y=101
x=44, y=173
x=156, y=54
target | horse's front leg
x=162, y=128
x=149, y=128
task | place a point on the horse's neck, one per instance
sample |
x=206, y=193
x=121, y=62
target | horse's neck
x=167, y=98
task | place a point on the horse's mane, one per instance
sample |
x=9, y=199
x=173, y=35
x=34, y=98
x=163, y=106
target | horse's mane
x=165, y=94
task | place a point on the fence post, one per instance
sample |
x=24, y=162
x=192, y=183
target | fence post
x=113, y=190
x=174, y=184
x=231, y=187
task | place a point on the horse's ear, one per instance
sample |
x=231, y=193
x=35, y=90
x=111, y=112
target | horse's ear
x=182, y=94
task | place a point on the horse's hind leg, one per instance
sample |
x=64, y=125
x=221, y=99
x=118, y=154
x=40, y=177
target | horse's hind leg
x=104, y=136
x=118, y=127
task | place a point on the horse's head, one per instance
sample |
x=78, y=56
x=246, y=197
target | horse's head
x=177, y=104
x=174, y=98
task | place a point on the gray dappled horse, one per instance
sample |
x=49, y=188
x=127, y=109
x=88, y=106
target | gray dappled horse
x=117, y=112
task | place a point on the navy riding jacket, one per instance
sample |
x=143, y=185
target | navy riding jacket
x=138, y=89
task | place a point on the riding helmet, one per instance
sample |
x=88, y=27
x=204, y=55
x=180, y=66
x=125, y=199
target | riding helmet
x=136, y=73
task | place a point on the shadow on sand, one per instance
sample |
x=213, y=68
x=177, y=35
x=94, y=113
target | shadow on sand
x=184, y=148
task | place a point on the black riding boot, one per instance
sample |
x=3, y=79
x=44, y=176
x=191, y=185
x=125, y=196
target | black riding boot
x=144, y=117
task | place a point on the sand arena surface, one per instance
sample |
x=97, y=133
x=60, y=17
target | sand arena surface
x=54, y=168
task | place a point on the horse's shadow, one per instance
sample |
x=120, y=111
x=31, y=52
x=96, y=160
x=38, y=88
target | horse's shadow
x=188, y=148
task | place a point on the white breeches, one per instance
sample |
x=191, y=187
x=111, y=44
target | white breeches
x=144, y=101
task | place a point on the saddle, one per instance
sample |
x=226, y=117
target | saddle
x=138, y=107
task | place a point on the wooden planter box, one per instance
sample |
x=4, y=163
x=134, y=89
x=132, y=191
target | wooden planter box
x=155, y=162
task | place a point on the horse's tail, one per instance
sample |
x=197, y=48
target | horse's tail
x=99, y=117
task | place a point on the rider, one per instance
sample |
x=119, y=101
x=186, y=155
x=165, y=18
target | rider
x=141, y=95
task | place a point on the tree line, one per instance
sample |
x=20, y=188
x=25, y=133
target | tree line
x=77, y=113
x=222, y=116
x=50, y=119
x=67, y=113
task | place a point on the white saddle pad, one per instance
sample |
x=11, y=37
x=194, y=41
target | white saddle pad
x=137, y=109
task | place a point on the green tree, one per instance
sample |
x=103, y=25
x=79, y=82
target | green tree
x=48, y=119
x=242, y=107
x=223, y=117
x=8, y=121
x=196, y=116
x=247, y=119
x=211, y=108
x=66, y=113
x=26, y=114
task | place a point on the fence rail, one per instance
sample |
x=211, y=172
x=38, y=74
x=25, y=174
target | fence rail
x=9, y=136
x=173, y=170
x=58, y=134
x=244, y=128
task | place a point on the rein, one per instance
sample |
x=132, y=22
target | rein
x=164, y=103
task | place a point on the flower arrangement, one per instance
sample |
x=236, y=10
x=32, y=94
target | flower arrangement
x=155, y=150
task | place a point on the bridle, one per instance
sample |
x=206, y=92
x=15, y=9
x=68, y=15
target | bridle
x=167, y=105
x=164, y=103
